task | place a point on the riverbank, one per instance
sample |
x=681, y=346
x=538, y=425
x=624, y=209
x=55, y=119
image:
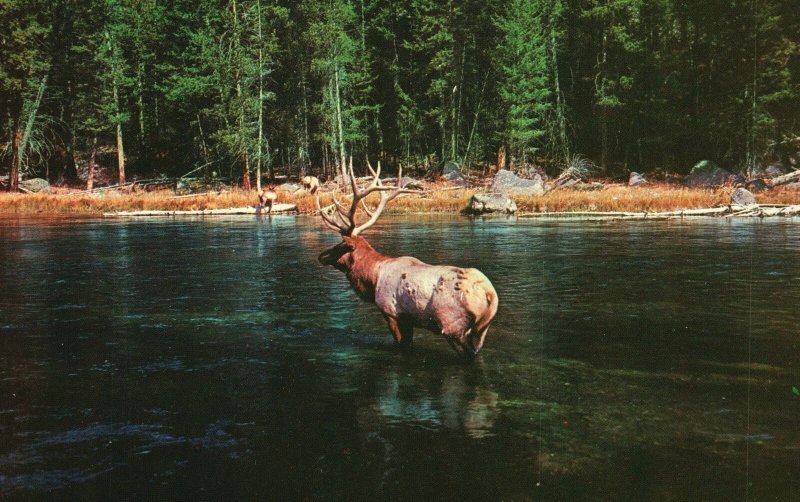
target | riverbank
x=433, y=198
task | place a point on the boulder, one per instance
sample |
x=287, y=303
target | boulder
x=35, y=185
x=456, y=178
x=742, y=197
x=450, y=167
x=636, y=180
x=508, y=183
x=451, y=172
x=774, y=170
x=707, y=174
x=566, y=182
x=289, y=187
x=491, y=203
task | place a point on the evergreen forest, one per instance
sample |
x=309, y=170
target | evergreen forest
x=251, y=88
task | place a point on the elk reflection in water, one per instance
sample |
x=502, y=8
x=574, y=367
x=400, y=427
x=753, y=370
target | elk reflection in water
x=452, y=402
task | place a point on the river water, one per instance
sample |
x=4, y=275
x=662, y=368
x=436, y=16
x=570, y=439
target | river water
x=215, y=358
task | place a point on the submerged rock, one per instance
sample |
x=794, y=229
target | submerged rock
x=506, y=182
x=491, y=203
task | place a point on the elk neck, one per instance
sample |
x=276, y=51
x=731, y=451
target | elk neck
x=364, y=268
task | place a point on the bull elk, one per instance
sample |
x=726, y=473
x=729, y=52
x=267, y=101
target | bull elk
x=457, y=302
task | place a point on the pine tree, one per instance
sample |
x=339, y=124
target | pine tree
x=526, y=88
x=24, y=73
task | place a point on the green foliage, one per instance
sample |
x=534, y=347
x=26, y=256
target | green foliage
x=525, y=89
x=633, y=84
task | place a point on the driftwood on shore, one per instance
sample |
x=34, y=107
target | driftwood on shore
x=782, y=180
x=759, y=210
x=276, y=208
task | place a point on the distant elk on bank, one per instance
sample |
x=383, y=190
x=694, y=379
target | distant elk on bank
x=310, y=183
x=457, y=302
x=266, y=198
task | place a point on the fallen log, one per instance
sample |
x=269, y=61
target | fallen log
x=189, y=196
x=782, y=180
x=276, y=208
x=726, y=211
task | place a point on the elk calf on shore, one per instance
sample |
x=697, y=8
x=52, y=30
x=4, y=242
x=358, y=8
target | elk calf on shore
x=457, y=302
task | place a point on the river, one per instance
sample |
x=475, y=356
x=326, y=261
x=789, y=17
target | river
x=216, y=358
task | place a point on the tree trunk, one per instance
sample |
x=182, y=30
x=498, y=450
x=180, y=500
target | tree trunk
x=245, y=173
x=305, y=156
x=474, y=123
x=140, y=105
x=70, y=169
x=339, y=123
x=561, y=114
x=202, y=139
x=120, y=147
x=260, y=141
x=456, y=122
x=92, y=158
x=13, y=172
x=501, y=158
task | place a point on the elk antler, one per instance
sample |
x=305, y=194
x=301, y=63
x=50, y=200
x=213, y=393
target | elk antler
x=342, y=220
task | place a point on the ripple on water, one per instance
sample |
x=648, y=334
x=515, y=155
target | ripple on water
x=148, y=438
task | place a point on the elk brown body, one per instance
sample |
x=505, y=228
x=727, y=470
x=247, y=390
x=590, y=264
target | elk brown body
x=457, y=302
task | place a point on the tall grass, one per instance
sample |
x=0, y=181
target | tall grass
x=437, y=199
x=625, y=199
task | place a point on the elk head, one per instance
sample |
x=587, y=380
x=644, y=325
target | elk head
x=340, y=255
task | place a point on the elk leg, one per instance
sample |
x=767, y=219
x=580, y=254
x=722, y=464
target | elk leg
x=466, y=344
x=403, y=331
x=477, y=339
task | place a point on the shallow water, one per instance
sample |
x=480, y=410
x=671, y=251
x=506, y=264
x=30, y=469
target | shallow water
x=216, y=358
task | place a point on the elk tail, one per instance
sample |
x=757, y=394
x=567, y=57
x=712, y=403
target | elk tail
x=488, y=314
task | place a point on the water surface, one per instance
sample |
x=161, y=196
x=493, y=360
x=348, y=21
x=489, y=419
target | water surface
x=215, y=357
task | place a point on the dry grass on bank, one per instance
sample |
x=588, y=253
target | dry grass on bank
x=436, y=199
x=623, y=198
